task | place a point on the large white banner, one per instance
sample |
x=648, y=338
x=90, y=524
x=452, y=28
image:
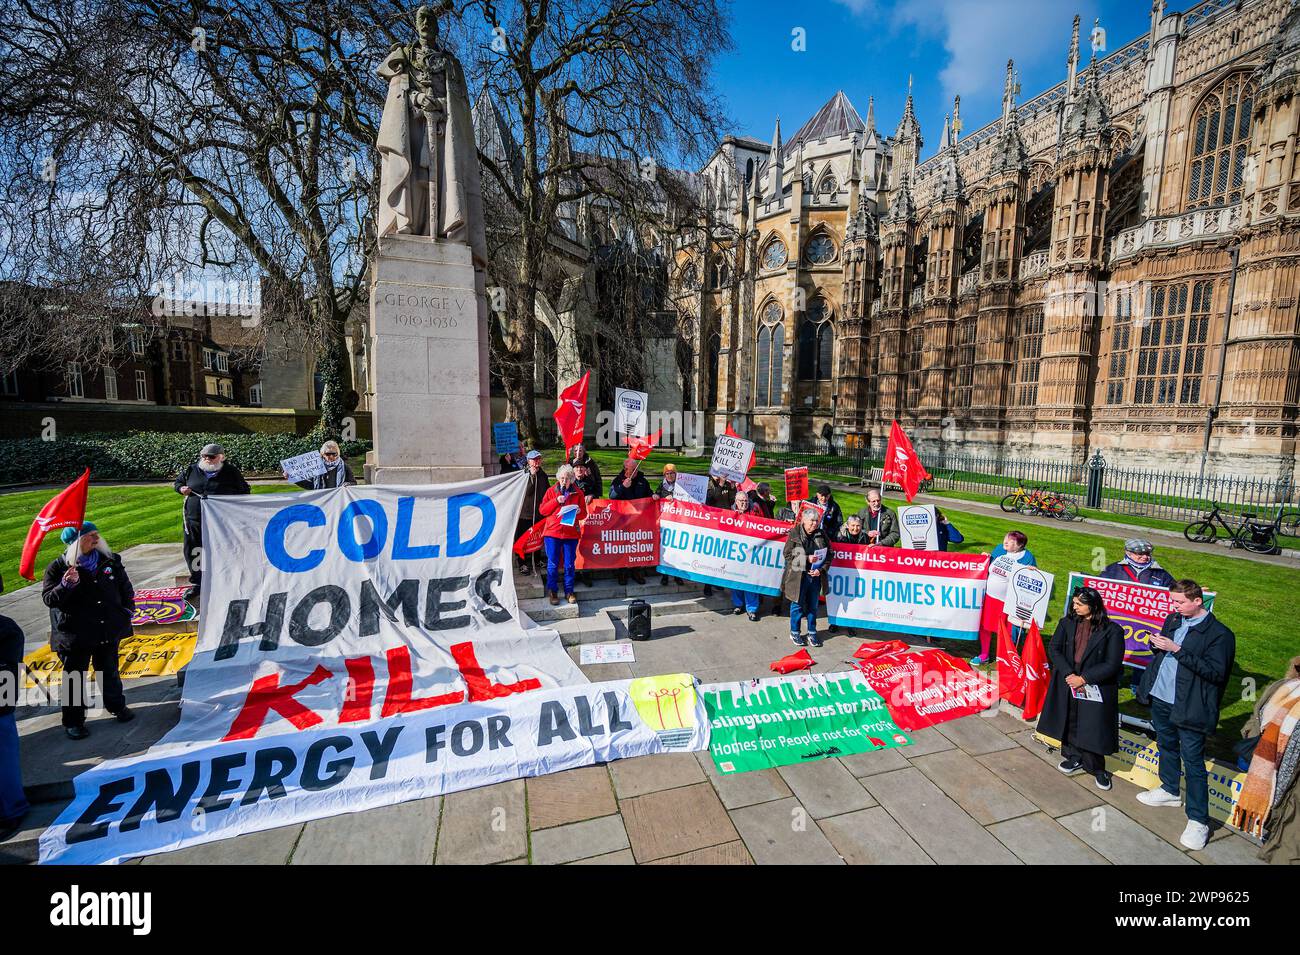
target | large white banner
x=330, y=611
x=720, y=547
x=924, y=593
x=154, y=803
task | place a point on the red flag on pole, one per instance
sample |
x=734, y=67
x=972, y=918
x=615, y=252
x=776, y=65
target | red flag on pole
x=639, y=448
x=753, y=455
x=65, y=509
x=1011, y=669
x=1036, y=674
x=902, y=466
x=571, y=415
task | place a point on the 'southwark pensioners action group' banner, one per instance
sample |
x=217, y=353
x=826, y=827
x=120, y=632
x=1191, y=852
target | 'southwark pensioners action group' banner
x=619, y=534
x=723, y=548
x=358, y=647
x=931, y=593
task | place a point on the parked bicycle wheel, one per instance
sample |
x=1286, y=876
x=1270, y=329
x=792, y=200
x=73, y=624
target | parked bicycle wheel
x=1011, y=503
x=1201, y=532
x=1289, y=524
x=1069, y=511
x=1260, y=539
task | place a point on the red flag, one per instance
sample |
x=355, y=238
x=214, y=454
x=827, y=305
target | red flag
x=639, y=448
x=531, y=541
x=571, y=415
x=753, y=455
x=1011, y=669
x=65, y=509
x=795, y=661
x=902, y=466
x=1036, y=675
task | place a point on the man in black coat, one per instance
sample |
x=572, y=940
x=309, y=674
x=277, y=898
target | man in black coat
x=720, y=493
x=13, y=801
x=209, y=475
x=629, y=485
x=833, y=519
x=1138, y=566
x=530, y=512
x=1184, y=683
x=91, y=602
x=578, y=455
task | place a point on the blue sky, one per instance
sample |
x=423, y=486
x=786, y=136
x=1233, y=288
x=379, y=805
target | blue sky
x=868, y=47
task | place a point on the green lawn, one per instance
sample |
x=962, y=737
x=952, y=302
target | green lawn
x=1250, y=601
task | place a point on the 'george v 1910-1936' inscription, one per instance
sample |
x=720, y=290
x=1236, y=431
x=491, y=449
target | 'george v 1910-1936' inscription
x=430, y=310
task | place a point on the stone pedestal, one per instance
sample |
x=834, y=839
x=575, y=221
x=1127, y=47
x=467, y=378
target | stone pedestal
x=429, y=373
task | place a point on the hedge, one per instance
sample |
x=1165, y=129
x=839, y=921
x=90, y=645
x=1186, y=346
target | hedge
x=146, y=455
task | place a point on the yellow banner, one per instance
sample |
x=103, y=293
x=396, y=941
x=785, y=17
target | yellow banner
x=143, y=654
x=1138, y=761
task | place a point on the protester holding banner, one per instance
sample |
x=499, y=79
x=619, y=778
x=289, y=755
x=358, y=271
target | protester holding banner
x=578, y=455
x=564, y=507
x=530, y=512
x=630, y=485
x=1191, y=663
x=722, y=493
x=92, y=601
x=880, y=522
x=336, y=474
x=1014, y=548
x=852, y=532
x=1139, y=566
x=948, y=533
x=745, y=601
x=13, y=801
x=1082, y=705
x=511, y=461
x=807, y=553
x=762, y=496
x=833, y=519
x=209, y=476
x=667, y=483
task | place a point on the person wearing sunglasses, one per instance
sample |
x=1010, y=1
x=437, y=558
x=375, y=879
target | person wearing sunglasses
x=210, y=475
x=337, y=473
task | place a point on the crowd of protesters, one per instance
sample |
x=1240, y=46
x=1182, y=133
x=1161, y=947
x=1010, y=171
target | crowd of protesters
x=91, y=599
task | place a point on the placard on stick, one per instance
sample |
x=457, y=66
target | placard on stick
x=303, y=467
x=796, y=484
x=731, y=457
x=505, y=435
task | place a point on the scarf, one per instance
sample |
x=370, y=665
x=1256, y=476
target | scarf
x=1280, y=716
x=333, y=477
x=1138, y=568
x=1082, y=631
x=89, y=562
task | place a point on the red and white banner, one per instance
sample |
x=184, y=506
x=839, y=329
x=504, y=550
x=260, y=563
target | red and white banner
x=722, y=548
x=924, y=687
x=619, y=534
x=924, y=593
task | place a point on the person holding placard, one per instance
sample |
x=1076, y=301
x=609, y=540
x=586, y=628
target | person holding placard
x=807, y=552
x=1014, y=548
x=667, y=483
x=1082, y=705
x=336, y=473
x=564, y=508
x=762, y=496
x=1139, y=565
x=745, y=601
x=630, y=485
x=852, y=532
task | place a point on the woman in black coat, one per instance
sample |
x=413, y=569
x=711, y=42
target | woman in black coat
x=1082, y=705
x=91, y=602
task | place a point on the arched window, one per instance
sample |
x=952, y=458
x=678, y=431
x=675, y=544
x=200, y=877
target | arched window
x=820, y=249
x=1220, y=140
x=767, y=372
x=689, y=277
x=816, y=343
x=828, y=186
x=774, y=254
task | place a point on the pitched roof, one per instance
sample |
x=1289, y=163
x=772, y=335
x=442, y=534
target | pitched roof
x=836, y=118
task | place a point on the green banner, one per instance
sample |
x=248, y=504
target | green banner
x=758, y=724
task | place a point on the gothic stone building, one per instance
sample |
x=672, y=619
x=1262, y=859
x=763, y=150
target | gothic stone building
x=1109, y=266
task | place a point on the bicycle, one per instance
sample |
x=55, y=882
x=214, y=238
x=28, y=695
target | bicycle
x=1250, y=534
x=1052, y=504
x=1018, y=498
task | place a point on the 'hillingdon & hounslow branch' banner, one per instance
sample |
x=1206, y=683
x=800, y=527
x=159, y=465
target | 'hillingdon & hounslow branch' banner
x=722, y=548
x=931, y=593
x=361, y=646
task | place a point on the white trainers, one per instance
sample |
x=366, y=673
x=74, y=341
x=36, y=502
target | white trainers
x=1159, y=797
x=1196, y=835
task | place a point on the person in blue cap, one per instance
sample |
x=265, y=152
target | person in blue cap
x=91, y=602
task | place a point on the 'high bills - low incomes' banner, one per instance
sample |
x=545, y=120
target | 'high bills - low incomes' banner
x=723, y=548
x=325, y=615
x=930, y=593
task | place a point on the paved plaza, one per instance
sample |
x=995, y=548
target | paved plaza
x=974, y=790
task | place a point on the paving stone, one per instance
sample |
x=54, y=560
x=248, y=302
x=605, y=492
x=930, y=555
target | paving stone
x=1234, y=850
x=649, y=774
x=569, y=796
x=1121, y=840
x=482, y=826
x=875, y=761
x=622, y=857
x=402, y=834
x=976, y=735
x=744, y=789
x=940, y=826
x=1008, y=723
x=1167, y=822
x=872, y=837
x=730, y=853
x=1042, y=784
x=986, y=797
x=1025, y=740
x=579, y=840
x=674, y=821
x=271, y=847
x=781, y=833
x=826, y=788
x=1038, y=839
x=926, y=741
